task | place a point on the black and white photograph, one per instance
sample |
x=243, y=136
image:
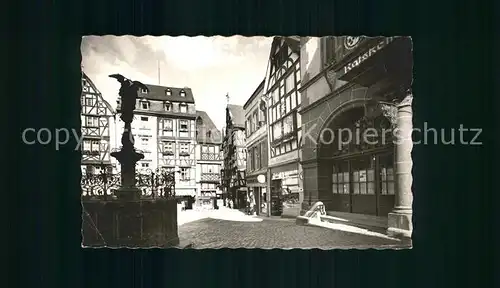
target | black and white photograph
x=247, y=142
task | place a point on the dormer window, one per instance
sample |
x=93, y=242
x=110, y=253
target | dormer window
x=168, y=92
x=183, y=93
x=144, y=91
x=167, y=106
x=145, y=105
x=183, y=107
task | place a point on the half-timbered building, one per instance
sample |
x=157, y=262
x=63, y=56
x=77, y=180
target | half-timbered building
x=283, y=103
x=358, y=85
x=208, y=159
x=97, y=116
x=233, y=145
x=164, y=131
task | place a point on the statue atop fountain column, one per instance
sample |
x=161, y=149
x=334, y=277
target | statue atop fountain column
x=127, y=156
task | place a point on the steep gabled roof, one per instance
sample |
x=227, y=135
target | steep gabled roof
x=254, y=94
x=237, y=115
x=204, y=125
x=159, y=93
x=293, y=42
x=89, y=81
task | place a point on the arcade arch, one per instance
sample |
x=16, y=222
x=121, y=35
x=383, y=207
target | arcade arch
x=355, y=156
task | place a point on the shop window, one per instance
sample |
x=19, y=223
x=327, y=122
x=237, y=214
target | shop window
x=387, y=175
x=340, y=179
x=363, y=176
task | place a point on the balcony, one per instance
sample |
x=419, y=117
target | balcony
x=210, y=157
x=210, y=177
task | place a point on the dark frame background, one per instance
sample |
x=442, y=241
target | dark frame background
x=453, y=203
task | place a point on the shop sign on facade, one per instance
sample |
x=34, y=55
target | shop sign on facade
x=367, y=54
x=285, y=175
x=351, y=42
x=261, y=179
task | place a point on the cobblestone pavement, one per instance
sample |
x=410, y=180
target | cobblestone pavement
x=274, y=233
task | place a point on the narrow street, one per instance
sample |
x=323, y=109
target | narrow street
x=230, y=229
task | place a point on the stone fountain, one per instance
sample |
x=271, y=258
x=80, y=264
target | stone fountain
x=127, y=156
x=131, y=220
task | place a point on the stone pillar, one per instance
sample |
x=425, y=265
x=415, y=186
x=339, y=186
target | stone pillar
x=400, y=219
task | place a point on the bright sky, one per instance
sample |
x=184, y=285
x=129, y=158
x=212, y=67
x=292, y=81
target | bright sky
x=210, y=66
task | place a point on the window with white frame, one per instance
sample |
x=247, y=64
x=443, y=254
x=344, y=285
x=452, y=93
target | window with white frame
x=168, y=92
x=183, y=128
x=208, y=186
x=184, y=148
x=185, y=171
x=210, y=169
x=89, y=100
x=91, y=146
x=167, y=124
x=183, y=107
x=168, y=148
x=167, y=127
x=145, y=105
x=167, y=106
x=92, y=121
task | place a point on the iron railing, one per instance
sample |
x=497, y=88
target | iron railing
x=159, y=183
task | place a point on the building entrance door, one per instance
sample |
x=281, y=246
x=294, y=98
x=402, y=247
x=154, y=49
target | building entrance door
x=364, y=184
x=341, y=186
x=363, y=192
x=276, y=198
